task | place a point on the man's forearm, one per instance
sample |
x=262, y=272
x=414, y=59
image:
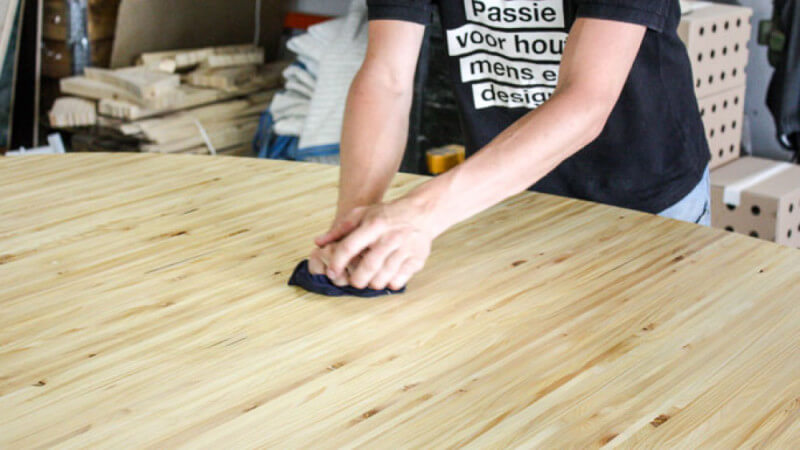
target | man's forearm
x=374, y=137
x=513, y=161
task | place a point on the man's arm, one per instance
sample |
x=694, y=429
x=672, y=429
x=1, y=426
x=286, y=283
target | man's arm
x=375, y=126
x=596, y=63
x=597, y=60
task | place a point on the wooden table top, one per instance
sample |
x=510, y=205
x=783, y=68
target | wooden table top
x=143, y=302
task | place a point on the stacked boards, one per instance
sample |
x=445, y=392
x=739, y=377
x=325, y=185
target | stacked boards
x=187, y=101
x=68, y=112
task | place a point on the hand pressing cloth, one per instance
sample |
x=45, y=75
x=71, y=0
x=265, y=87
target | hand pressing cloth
x=321, y=284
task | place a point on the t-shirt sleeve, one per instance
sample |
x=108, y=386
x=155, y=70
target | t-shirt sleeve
x=650, y=13
x=417, y=11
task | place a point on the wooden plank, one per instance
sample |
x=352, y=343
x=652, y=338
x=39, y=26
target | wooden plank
x=221, y=135
x=182, y=125
x=225, y=79
x=254, y=104
x=143, y=83
x=224, y=56
x=68, y=112
x=94, y=89
x=170, y=61
x=122, y=103
x=191, y=96
x=143, y=303
x=233, y=78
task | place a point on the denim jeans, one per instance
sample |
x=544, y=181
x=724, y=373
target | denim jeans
x=695, y=207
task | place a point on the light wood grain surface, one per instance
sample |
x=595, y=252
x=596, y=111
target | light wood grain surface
x=143, y=303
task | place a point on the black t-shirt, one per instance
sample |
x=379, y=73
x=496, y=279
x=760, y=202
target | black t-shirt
x=504, y=59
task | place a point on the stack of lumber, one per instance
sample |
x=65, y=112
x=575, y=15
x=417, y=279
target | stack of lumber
x=188, y=101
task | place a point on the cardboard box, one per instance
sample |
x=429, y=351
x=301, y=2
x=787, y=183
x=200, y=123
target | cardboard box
x=716, y=38
x=722, y=115
x=758, y=197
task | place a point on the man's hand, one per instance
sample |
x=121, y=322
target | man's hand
x=377, y=246
x=375, y=128
x=321, y=256
x=318, y=265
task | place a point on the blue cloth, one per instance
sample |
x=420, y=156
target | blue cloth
x=267, y=144
x=695, y=206
x=320, y=284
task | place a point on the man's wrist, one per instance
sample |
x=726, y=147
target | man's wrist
x=343, y=208
x=427, y=206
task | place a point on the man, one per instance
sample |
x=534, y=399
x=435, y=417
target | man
x=608, y=115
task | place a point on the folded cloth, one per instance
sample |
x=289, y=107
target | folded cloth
x=340, y=57
x=320, y=284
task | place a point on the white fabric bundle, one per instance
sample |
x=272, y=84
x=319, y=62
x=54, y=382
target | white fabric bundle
x=312, y=106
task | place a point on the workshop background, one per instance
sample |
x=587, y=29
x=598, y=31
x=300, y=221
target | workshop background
x=269, y=78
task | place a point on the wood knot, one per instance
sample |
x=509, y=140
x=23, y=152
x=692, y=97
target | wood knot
x=40, y=383
x=561, y=259
x=336, y=365
x=370, y=413
x=171, y=235
x=608, y=439
x=678, y=258
x=518, y=263
x=408, y=387
x=658, y=421
x=251, y=407
x=649, y=327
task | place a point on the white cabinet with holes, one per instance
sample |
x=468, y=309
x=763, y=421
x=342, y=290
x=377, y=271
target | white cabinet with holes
x=722, y=117
x=716, y=38
x=758, y=197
